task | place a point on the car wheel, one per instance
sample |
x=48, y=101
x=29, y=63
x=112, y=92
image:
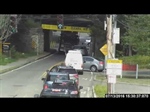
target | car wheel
x=81, y=72
x=93, y=68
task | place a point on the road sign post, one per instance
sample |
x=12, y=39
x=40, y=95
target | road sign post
x=114, y=68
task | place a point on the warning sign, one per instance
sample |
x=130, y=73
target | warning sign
x=104, y=49
x=114, y=67
x=66, y=28
x=114, y=61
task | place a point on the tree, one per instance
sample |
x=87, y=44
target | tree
x=6, y=27
x=98, y=33
x=137, y=35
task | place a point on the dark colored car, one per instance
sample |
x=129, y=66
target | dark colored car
x=72, y=72
x=52, y=76
x=60, y=89
x=82, y=48
x=67, y=47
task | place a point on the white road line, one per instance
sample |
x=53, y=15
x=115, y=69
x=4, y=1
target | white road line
x=91, y=76
x=84, y=78
x=95, y=77
x=83, y=92
x=88, y=91
x=26, y=65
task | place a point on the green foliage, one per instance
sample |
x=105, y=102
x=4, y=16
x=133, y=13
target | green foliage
x=138, y=33
x=14, y=56
x=97, y=30
x=30, y=23
x=100, y=90
x=142, y=61
x=98, y=35
x=5, y=59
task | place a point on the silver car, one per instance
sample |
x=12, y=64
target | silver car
x=93, y=64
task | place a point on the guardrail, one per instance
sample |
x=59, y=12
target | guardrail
x=134, y=71
x=130, y=68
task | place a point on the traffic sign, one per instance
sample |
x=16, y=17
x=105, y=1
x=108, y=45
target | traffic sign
x=60, y=26
x=104, y=49
x=114, y=67
x=112, y=79
x=66, y=28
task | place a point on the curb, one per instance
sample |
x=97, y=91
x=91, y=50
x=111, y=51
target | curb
x=123, y=82
x=94, y=94
x=12, y=68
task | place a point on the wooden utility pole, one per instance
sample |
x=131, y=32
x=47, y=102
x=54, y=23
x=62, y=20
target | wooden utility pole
x=110, y=46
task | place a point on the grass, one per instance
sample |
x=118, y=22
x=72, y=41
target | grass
x=4, y=59
x=131, y=80
x=100, y=90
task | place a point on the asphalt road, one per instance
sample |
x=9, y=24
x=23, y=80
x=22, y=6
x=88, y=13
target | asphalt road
x=26, y=81
x=86, y=80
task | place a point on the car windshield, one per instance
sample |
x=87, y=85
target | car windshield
x=99, y=59
x=54, y=77
x=70, y=71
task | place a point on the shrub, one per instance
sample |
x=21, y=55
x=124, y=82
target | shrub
x=142, y=61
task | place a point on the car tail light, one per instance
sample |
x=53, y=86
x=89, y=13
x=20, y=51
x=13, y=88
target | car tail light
x=74, y=92
x=76, y=76
x=101, y=63
x=78, y=82
x=45, y=86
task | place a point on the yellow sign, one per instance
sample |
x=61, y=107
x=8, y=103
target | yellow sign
x=114, y=61
x=104, y=49
x=66, y=28
x=6, y=43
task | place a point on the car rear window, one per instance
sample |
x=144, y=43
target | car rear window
x=54, y=77
x=70, y=71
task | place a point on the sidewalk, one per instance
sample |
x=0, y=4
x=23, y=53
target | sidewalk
x=21, y=62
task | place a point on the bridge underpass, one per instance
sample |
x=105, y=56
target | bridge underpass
x=69, y=31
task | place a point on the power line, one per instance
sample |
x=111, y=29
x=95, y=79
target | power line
x=135, y=29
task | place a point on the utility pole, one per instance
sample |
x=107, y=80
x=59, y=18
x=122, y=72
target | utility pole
x=109, y=44
x=114, y=27
x=114, y=44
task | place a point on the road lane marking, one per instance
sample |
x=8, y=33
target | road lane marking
x=26, y=65
x=95, y=77
x=84, y=78
x=83, y=92
x=91, y=76
x=88, y=91
x=51, y=68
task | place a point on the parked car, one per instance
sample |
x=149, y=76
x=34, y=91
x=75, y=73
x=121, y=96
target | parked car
x=93, y=64
x=83, y=49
